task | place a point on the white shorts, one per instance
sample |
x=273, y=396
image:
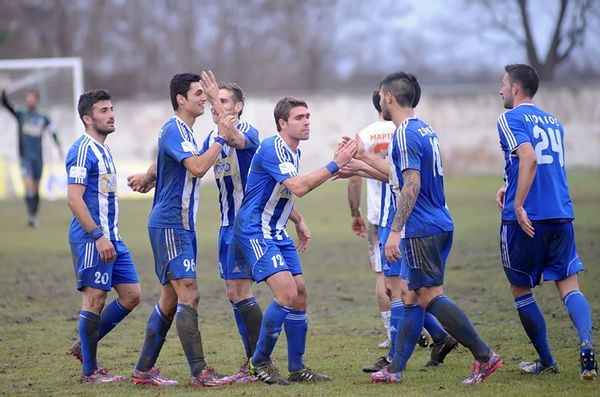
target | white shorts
x=374, y=252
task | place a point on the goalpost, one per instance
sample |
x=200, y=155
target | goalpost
x=59, y=82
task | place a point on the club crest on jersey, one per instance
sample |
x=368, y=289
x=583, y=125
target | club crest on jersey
x=77, y=172
x=108, y=183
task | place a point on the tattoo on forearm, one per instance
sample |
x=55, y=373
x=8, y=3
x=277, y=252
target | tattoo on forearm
x=407, y=198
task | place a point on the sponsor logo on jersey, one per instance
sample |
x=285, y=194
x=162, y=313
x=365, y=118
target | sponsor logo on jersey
x=108, y=183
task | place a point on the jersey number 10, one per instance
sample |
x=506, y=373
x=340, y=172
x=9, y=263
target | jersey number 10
x=552, y=138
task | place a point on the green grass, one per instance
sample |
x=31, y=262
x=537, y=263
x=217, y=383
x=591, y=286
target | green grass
x=39, y=304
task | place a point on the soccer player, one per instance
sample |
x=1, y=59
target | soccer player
x=421, y=233
x=100, y=258
x=394, y=278
x=171, y=228
x=31, y=124
x=537, y=237
x=376, y=138
x=262, y=246
x=231, y=171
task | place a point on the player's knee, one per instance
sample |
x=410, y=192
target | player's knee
x=132, y=298
x=287, y=297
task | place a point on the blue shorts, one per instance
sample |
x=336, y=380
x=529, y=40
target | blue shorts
x=551, y=253
x=425, y=259
x=390, y=269
x=91, y=271
x=174, y=253
x=229, y=270
x=32, y=168
x=259, y=258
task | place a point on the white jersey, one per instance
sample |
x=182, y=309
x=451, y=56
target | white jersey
x=376, y=138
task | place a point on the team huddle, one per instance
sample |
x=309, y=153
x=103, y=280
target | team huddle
x=258, y=182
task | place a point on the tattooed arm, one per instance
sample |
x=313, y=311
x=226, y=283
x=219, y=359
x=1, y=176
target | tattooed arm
x=405, y=203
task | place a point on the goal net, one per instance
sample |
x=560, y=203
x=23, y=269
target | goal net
x=59, y=82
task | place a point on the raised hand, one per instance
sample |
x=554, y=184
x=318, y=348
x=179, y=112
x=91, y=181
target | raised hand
x=209, y=84
x=344, y=153
x=227, y=125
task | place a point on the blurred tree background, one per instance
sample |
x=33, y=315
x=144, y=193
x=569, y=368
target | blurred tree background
x=133, y=47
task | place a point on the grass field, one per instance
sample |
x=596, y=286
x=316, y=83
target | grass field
x=39, y=304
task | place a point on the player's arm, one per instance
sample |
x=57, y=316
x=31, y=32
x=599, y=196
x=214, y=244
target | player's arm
x=8, y=105
x=374, y=161
x=302, y=230
x=406, y=201
x=143, y=182
x=199, y=164
x=237, y=140
x=354, y=193
x=51, y=128
x=82, y=214
x=527, y=170
x=301, y=185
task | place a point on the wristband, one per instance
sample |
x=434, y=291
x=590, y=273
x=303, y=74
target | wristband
x=97, y=233
x=332, y=167
x=220, y=140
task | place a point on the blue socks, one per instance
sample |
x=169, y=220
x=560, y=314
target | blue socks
x=110, y=316
x=296, y=326
x=409, y=331
x=396, y=309
x=580, y=313
x=156, y=332
x=457, y=324
x=89, y=324
x=535, y=326
x=269, y=332
x=434, y=328
x=239, y=320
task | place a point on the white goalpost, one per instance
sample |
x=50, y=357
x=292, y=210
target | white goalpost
x=59, y=82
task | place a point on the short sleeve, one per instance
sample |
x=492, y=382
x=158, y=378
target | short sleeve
x=511, y=130
x=410, y=149
x=79, y=166
x=251, y=135
x=278, y=162
x=176, y=146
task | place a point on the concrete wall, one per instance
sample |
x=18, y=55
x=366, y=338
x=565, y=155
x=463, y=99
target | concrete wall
x=464, y=118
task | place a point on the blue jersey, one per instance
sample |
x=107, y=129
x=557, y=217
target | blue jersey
x=387, y=206
x=177, y=190
x=267, y=203
x=548, y=197
x=89, y=163
x=415, y=146
x=231, y=171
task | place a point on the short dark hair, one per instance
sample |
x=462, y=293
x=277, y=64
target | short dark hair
x=180, y=84
x=526, y=76
x=404, y=87
x=376, y=101
x=283, y=108
x=236, y=90
x=88, y=99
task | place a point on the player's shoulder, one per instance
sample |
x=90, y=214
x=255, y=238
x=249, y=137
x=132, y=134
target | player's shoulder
x=80, y=147
x=246, y=128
